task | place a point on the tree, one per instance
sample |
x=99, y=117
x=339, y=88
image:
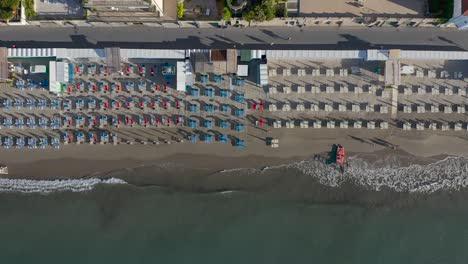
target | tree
x=261, y=10
x=248, y=15
x=227, y=14
x=7, y=8
x=6, y=14
x=180, y=9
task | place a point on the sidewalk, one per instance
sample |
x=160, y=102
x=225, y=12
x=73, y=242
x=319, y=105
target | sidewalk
x=279, y=22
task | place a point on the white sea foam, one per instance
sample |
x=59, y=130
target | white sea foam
x=450, y=173
x=44, y=186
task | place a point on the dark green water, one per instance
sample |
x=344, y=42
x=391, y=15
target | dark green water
x=125, y=224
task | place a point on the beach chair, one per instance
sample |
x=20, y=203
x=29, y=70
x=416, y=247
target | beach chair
x=240, y=112
x=92, y=138
x=20, y=142
x=41, y=104
x=209, y=92
x=31, y=122
x=130, y=86
x=193, y=138
x=239, y=127
x=217, y=78
x=203, y=78
x=104, y=138
x=80, y=138
x=240, y=98
x=7, y=104
x=192, y=123
x=66, y=137
x=239, y=143
x=91, y=104
x=195, y=92
x=223, y=138
x=18, y=103
x=209, y=108
x=55, y=104
x=153, y=87
x=7, y=142
x=129, y=103
x=32, y=143
x=224, y=108
x=240, y=82
x=19, y=122
x=42, y=142
x=141, y=86
x=208, y=138
x=208, y=123
x=153, y=70
x=55, y=123
x=55, y=142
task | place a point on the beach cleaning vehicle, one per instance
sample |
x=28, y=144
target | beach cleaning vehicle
x=340, y=157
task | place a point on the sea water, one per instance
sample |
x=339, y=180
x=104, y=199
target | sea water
x=114, y=222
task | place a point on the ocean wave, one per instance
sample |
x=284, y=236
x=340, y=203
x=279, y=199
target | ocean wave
x=50, y=186
x=450, y=173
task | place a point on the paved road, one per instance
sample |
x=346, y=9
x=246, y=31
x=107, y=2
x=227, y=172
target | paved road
x=251, y=38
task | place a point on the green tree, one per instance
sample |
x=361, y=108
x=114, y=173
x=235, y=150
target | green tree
x=180, y=9
x=227, y=14
x=248, y=15
x=7, y=8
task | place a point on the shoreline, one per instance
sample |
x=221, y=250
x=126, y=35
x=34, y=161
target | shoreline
x=101, y=161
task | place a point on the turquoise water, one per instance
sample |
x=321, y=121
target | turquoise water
x=125, y=224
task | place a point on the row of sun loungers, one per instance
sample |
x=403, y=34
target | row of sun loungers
x=365, y=107
x=330, y=90
x=435, y=90
x=304, y=72
x=344, y=124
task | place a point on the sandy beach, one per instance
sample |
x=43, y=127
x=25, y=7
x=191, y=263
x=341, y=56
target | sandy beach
x=187, y=164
